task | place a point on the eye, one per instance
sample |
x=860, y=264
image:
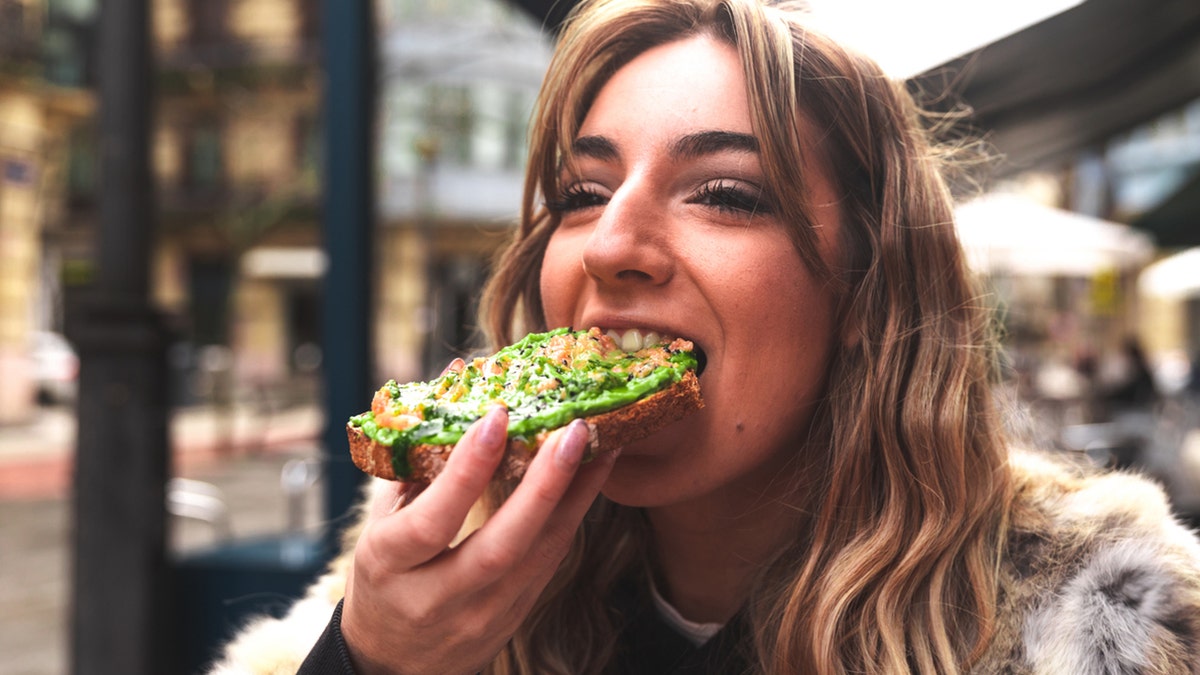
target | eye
x=576, y=197
x=730, y=197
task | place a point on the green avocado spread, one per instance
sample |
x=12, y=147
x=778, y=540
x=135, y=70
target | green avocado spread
x=545, y=380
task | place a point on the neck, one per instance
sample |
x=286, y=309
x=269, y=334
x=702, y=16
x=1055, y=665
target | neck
x=708, y=554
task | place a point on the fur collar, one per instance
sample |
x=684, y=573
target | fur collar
x=1099, y=577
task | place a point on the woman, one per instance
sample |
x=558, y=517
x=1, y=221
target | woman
x=845, y=502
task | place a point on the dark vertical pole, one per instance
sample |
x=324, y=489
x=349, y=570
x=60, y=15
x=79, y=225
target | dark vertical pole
x=120, y=583
x=349, y=212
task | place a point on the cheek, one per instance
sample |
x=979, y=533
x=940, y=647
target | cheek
x=784, y=322
x=562, y=271
x=770, y=292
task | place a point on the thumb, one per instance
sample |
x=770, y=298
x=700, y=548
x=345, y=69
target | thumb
x=391, y=496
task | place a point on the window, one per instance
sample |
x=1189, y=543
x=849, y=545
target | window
x=205, y=158
x=450, y=117
x=310, y=20
x=307, y=139
x=207, y=19
x=82, y=172
x=209, y=286
x=519, y=108
x=17, y=30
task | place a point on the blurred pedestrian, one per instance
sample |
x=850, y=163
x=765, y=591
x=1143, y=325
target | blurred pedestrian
x=1135, y=388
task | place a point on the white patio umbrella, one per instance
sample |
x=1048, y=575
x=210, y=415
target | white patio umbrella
x=1009, y=234
x=1173, y=277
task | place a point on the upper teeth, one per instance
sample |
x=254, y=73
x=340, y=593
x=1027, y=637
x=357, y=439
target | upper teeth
x=633, y=339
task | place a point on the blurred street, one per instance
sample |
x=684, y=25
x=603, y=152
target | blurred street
x=35, y=474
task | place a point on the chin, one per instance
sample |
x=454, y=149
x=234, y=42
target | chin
x=654, y=471
x=647, y=480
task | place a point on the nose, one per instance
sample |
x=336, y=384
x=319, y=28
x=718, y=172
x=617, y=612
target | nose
x=630, y=243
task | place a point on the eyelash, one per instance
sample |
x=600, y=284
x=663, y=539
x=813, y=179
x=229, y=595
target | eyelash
x=732, y=199
x=718, y=194
x=575, y=197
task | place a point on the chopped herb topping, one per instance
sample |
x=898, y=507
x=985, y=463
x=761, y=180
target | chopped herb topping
x=545, y=381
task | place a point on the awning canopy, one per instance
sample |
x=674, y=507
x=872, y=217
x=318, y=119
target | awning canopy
x=1076, y=79
x=1177, y=276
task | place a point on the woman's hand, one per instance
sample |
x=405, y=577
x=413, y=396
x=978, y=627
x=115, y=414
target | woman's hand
x=414, y=605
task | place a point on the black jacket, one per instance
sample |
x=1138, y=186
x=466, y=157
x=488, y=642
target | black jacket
x=647, y=645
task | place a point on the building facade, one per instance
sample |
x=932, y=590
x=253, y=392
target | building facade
x=458, y=81
x=43, y=104
x=235, y=155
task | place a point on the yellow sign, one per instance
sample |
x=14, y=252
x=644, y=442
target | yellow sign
x=1106, y=292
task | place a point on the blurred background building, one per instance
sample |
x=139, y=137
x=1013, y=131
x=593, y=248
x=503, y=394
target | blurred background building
x=44, y=104
x=236, y=150
x=458, y=80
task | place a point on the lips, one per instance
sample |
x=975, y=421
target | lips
x=634, y=339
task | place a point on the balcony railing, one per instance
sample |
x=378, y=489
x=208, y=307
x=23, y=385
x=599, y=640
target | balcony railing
x=234, y=52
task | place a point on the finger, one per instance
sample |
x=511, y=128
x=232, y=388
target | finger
x=554, y=541
x=455, y=366
x=520, y=588
x=428, y=525
x=583, y=490
x=508, y=535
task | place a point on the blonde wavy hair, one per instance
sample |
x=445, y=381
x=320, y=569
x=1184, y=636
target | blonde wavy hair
x=898, y=570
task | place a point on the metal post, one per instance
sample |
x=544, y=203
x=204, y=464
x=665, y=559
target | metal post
x=349, y=216
x=120, y=620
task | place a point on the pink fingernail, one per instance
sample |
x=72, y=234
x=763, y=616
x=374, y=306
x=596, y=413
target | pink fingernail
x=455, y=366
x=493, y=427
x=572, y=445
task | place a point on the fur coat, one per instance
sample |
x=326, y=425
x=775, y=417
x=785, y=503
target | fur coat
x=1099, y=579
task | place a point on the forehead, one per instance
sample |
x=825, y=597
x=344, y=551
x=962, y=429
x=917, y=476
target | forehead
x=696, y=85
x=691, y=84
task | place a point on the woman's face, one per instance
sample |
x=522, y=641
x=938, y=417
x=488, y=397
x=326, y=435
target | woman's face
x=666, y=227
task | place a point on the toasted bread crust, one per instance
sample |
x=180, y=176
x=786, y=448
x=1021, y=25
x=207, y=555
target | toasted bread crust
x=606, y=431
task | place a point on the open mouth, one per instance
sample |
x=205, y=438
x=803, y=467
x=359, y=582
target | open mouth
x=633, y=340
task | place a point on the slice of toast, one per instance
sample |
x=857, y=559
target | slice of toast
x=671, y=391
x=606, y=431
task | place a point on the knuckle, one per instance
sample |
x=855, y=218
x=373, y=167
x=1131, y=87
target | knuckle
x=425, y=531
x=425, y=612
x=495, y=560
x=547, y=492
x=371, y=560
x=556, y=544
x=460, y=466
x=475, y=626
x=468, y=475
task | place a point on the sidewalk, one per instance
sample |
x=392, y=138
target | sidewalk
x=36, y=458
x=35, y=514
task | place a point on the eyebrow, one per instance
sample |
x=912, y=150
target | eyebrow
x=704, y=143
x=690, y=146
x=595, y=147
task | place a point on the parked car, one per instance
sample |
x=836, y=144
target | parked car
x=55, y=368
